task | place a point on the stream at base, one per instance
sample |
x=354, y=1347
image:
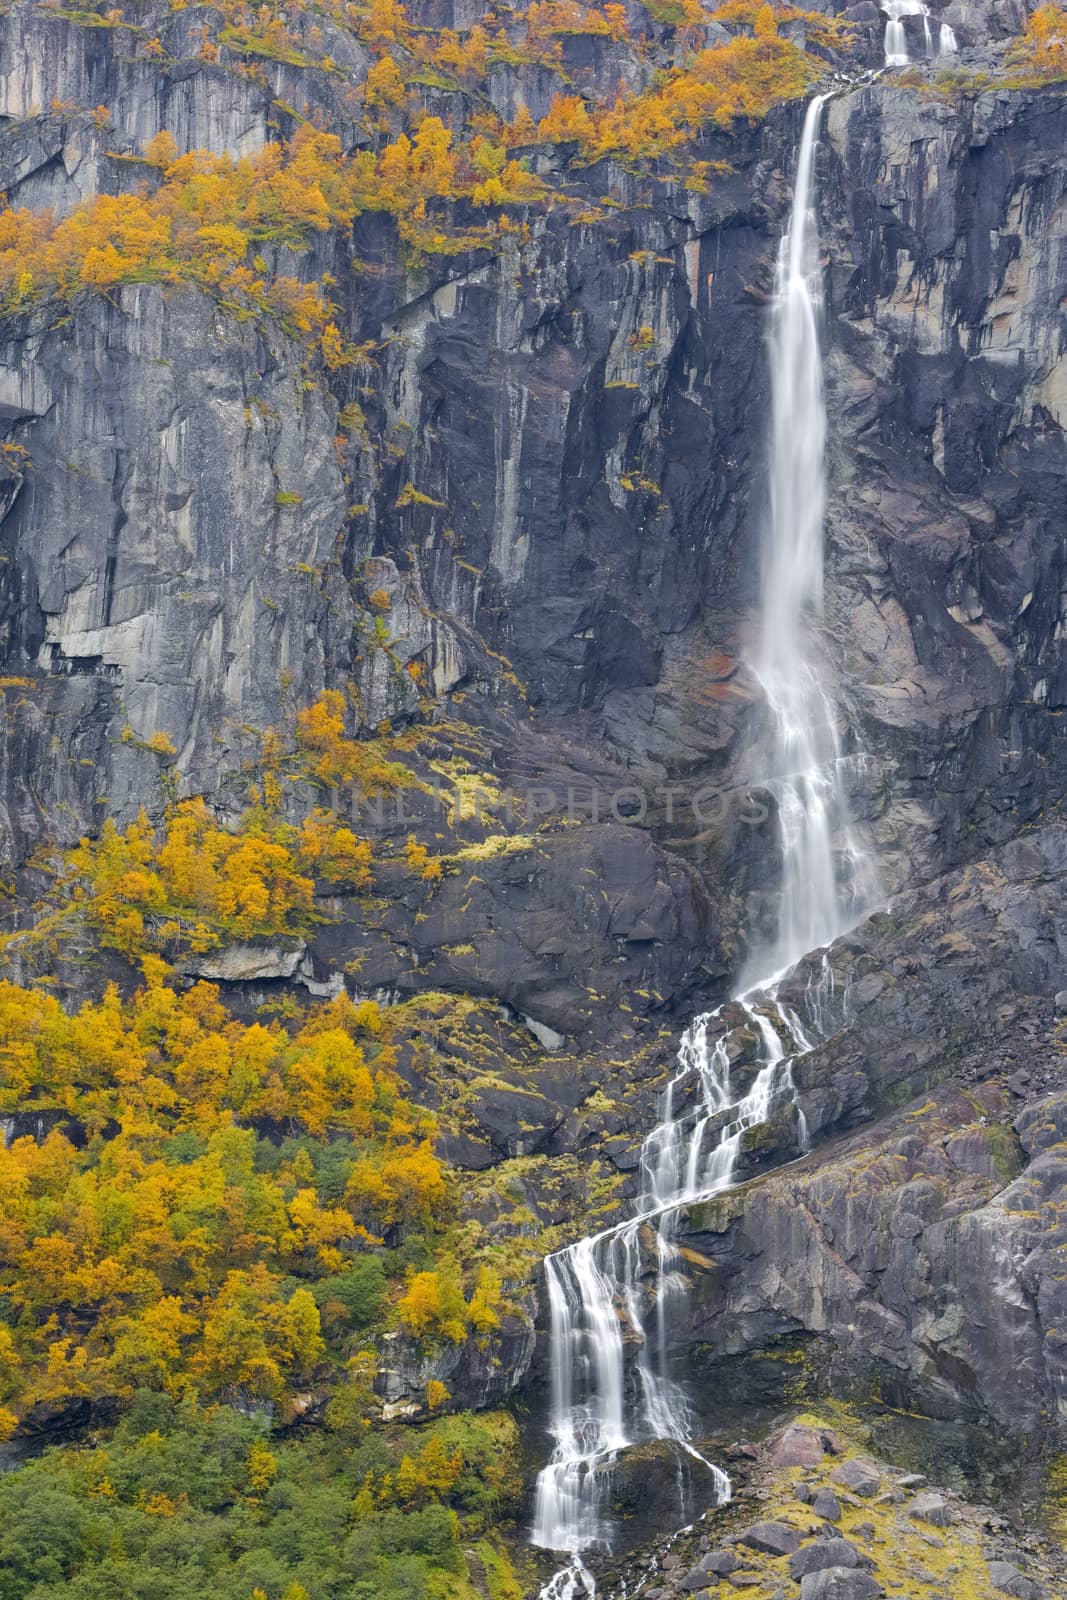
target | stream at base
x=610, y=1294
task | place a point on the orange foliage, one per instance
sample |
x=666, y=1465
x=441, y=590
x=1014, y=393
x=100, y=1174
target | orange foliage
x=566, y=118
x=1040, y=55
x=404, y=1188
x=742, y=78
x=332, y=758
x=385, y=22
x=207, y=213
x=204, y=218
x=546, y=18
x=193, y=885
x=464, y=55
x=161, y=1254
x=209, y=216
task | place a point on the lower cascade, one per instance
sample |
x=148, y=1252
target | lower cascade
x=735, y=1064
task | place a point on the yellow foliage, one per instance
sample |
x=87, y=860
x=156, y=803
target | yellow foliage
x=162, y=150
x=420, y=860
x=430, y=1475
x=1040, y=55
x=168, y=1252
x=194, y=884
x=437, y=1394
x=333, y=758
x=384, y=87
x=406, y=1187
x=385, y=22
x=484, y=1309
x=465, y=56
x=566, y=119
x=262, y=1467
x=433, y=1307
x=333, y=851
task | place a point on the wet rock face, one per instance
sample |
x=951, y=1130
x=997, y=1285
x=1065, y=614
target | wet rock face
x=582, y=419
x=158, y=577
x=561, y=930
x=934, y=1284
x=47, y=61
x=947, y=381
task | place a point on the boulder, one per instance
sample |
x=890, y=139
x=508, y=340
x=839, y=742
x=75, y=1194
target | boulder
x=931, y=1507
x=798, y=1447
x=1007, y=1579
x=823, y=1553
x=860, y=1476
x=772, y=1538
x=720, y=1563
x=838, y=1583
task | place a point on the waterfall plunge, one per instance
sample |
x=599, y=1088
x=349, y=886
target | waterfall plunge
x=818, y=897
x=598, y=1289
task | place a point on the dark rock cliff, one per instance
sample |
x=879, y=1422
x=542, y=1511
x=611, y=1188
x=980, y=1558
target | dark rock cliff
x=580, y=419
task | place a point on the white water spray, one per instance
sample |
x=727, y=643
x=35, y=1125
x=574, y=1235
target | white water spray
x=609, y=1294
x=825, y=879
x=896, y=42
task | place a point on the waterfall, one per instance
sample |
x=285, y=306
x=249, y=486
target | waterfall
x=609, y=1294
x=896, y=43
x=596, y=1286
x=816, y=900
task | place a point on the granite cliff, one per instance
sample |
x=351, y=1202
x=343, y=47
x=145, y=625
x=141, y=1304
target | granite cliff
x=518, y=528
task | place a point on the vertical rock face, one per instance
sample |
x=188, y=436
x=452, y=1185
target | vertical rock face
x=166, y=547
x=49, y=61
x=947, y=376
x=534, y=501
x=560, y=458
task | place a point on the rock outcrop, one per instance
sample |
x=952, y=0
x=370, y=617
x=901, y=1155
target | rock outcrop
x=902, y=1539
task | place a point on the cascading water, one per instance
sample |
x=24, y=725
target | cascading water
x=816, y=902
x=600, y=1307
x=896, y=43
